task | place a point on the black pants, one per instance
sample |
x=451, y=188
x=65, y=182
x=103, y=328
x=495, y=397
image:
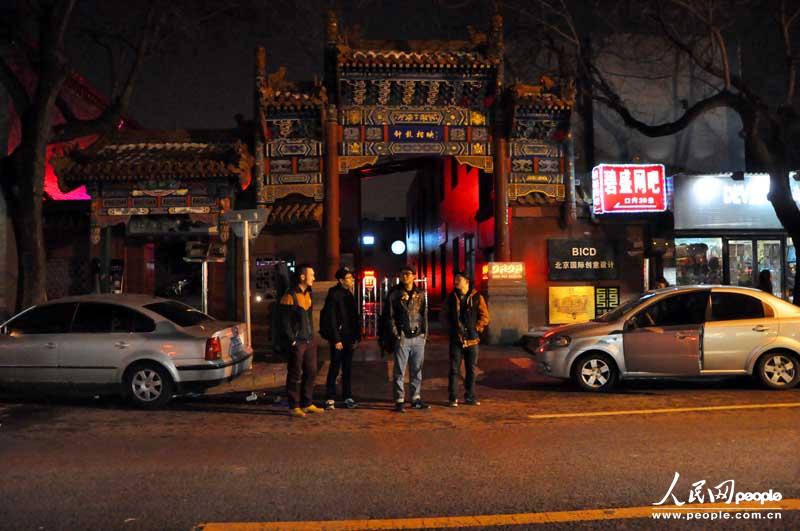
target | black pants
x=301, y=373
x=340, y=359
x=470, y=357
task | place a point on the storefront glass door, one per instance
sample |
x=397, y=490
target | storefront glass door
x=740, y=262
x=769, y=258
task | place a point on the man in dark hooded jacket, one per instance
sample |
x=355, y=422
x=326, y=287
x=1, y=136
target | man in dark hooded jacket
x=343, y=331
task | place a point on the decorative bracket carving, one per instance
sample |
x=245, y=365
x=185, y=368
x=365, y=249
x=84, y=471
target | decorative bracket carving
x=476, y=161
x=347, y=163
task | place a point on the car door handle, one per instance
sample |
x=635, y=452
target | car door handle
x=121, y=344
x=50, y=345
x=760, y=328
x=684, y=336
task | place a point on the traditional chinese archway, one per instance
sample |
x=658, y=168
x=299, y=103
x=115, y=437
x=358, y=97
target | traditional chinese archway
x=384, y=101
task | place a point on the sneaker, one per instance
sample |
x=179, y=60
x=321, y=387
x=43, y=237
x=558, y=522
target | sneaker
x=419, y=404
x=399, y=407
x=453, y=403
x=329, y=405
x=313, y=409
x=472, y=402
x=297, y=413
x=349, y=403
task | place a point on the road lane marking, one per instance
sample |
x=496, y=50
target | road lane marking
x=776, y=405
x=489, y=520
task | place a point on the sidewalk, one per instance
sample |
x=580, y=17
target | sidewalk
x=372, y=374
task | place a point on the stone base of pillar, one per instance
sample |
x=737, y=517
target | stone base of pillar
x=508, y=309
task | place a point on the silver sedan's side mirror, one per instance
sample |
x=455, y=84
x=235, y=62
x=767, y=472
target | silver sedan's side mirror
x=629, y=325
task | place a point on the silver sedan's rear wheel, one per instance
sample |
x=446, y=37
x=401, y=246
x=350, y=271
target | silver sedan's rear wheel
x=148, y=385
x=779, y=370
x=595, y=372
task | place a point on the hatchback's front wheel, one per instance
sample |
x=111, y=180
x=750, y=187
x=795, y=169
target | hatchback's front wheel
x=148, y=385
x=779, y=370
x=595, y=372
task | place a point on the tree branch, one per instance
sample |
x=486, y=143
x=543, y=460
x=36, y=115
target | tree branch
x=59, y=21
x=66, y=110
x=610, y=98
x=791, y=67
x=19, y=96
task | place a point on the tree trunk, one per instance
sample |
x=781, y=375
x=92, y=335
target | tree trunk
x=770, y=155
x=29, y=215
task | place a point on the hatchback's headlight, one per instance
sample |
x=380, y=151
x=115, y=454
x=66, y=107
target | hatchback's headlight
x=554, y=342
x=559, y=341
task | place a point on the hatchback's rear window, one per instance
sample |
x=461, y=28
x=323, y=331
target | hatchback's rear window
x=179, y=313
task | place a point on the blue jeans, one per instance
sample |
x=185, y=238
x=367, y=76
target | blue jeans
x=410, y=351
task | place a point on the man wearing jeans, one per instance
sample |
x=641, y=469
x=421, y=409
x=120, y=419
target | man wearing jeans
x=408, y=319
x=467, y=316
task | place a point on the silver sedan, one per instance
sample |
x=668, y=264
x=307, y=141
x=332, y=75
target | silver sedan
x=692, y=331
x=147, y=347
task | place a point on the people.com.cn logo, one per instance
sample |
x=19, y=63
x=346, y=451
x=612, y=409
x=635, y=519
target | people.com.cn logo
x=724, y=492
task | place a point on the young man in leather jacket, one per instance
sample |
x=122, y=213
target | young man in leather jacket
x=408, y=320
x=467, y=317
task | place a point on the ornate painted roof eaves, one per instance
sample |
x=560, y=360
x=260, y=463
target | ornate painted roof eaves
x=285, y=100
x=544, y=97
x=275, y=92
x=151, y=155
x=349, y=58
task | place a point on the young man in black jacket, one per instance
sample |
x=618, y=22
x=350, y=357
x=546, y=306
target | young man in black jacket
x=467, y=316
x=298, y=329
x=343, y=329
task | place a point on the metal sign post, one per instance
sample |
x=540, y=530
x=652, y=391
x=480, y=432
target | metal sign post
x=246, y=277
x=204, y=286
x=246, y=224
x=204, y=253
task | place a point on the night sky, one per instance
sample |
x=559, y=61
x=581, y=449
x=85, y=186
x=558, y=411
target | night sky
x=204, y=76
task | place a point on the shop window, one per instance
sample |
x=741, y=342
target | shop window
x=456, y=255
x=469, y=254
x=698, y=261
x=768, y=254
x=433, y=269
x=740, y=262
x=443, y=269
x=734, y=306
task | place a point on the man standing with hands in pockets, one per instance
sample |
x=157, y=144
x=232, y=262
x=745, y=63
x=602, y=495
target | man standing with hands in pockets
x=341, y=326
x=408, y=324
x=467, y=316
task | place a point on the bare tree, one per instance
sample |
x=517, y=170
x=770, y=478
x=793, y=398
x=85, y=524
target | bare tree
x=721, y=39
x=40, y=41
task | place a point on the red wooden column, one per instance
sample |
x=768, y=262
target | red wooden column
x=331, y=220
x=502, y=242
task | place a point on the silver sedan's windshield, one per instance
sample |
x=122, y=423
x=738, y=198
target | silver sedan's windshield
x=621, y=310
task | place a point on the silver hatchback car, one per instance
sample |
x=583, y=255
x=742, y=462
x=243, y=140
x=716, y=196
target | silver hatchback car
x=148, y=347
x=690, y=331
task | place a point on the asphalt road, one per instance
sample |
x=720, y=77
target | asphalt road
x=76, y=463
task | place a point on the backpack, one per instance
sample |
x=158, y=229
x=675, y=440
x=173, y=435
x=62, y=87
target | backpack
x=282, y=285
x=282, y=341
x=386, y=339
x=325, y=318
